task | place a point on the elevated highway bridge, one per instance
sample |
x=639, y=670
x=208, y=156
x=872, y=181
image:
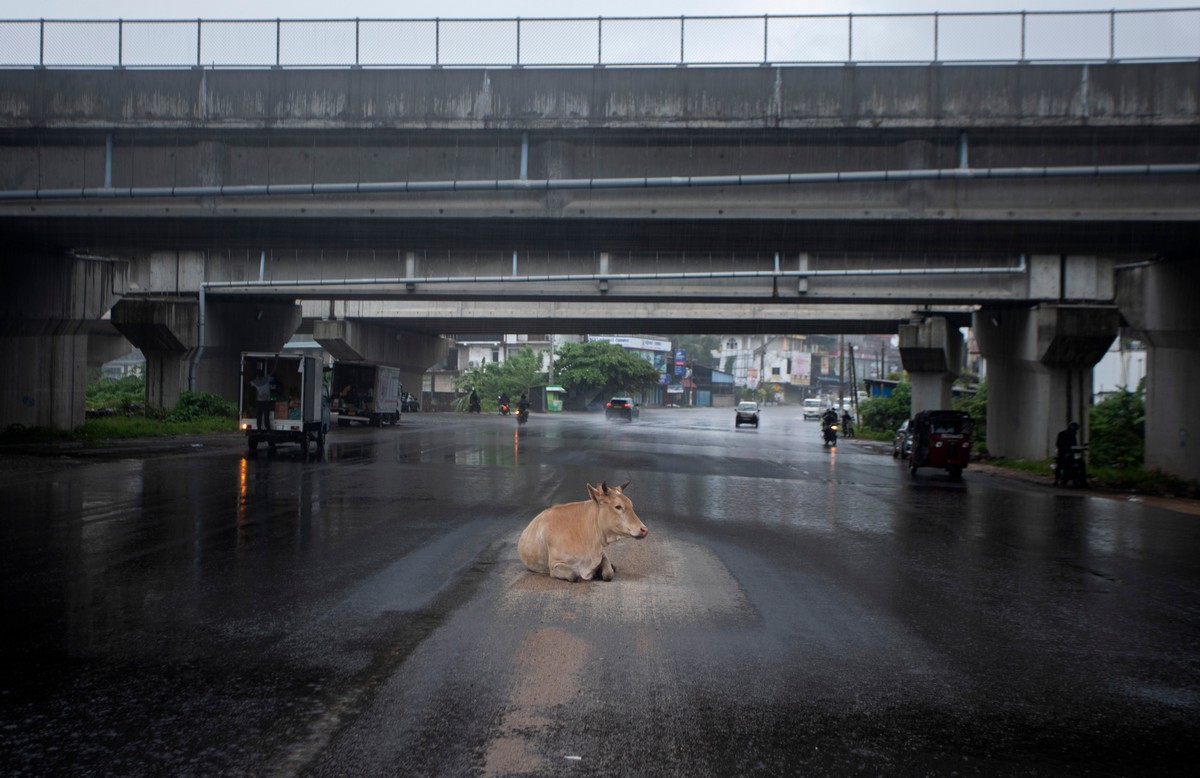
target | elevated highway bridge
x=220, y=210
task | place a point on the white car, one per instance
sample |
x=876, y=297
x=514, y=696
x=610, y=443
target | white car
x=747, y=413
x=812, y=409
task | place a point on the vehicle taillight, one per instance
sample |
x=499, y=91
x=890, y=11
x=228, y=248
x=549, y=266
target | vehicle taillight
x=607, y=405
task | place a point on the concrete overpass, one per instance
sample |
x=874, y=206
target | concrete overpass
x=1048, y=203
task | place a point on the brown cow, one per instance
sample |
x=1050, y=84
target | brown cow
x=567, y=541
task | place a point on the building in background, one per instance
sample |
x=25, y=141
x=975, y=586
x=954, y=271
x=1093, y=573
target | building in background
x=1123, y=367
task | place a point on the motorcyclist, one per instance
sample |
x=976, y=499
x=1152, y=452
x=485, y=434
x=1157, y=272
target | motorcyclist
x=847, y=430
x=1066, y=440
x=503, y=402
x=523, y=406
x=473, y=403
x=828, y=420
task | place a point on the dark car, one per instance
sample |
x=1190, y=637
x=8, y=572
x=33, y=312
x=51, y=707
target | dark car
x=747, y=413
x=902, y=443
x=409, y=404
x=621, y=408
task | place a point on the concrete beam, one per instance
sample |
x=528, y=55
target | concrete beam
x=167, y=332
x=354, y=341
x=1159, y=302
x=823, y=98
x=571, y=317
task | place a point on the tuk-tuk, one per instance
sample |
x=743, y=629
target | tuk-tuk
x=940, y=439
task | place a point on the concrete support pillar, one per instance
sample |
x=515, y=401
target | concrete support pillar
x=167, y=332
x=1158, y=301
x=104, y=345
x=1039, y=371
x=931, y=351
x=47, y=303
x=353, y=341
x=234, y=326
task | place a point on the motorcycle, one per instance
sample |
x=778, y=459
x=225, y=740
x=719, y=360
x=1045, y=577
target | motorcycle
x=473, y=407
x=522, y=416
x=503, y=409
x=1075, y=469
x=829, y=430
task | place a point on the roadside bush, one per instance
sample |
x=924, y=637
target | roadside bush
x=126, y=395
x=1118, y=430
x=199, y=405
x=885, y=414
x=975, y=406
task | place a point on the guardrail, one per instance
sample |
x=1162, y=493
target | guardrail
x=819, y=39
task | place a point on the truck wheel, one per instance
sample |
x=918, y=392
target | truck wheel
x=321, y=441
x=252, y=444
x=955, y=473
x=912, y=467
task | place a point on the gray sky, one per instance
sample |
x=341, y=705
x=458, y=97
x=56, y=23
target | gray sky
x=323, y=9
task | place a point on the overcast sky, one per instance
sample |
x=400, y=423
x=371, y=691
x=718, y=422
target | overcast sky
x=324, y=9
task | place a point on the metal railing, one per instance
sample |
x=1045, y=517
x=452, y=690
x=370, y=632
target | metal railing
x=819, y=39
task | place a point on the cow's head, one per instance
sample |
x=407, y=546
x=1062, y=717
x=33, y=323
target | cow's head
x=616, y=515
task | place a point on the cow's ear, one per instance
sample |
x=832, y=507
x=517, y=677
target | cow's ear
x=593, y=492
x=622, y=486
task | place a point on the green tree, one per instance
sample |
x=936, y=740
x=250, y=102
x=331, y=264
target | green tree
x=885, y=414
x=588, y=369
x=516, y=375
x=699, y=349
x=1118, y=429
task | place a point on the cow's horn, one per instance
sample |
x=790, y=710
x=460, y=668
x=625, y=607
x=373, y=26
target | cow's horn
x=622, y=486
x=604, y=486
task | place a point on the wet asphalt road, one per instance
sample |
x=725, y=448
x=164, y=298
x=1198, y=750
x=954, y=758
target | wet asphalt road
x=794, y=611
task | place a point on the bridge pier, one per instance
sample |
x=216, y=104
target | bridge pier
x=354, y=341
x=46, y=307
x=1158, y=301
x=931, y=352
x=105, y=344
x=1039, y=369
x=167, y=332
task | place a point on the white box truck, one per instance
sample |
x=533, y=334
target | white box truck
x=299, y=412
x=364, y=393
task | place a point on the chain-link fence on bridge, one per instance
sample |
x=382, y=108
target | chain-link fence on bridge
x=917, y=38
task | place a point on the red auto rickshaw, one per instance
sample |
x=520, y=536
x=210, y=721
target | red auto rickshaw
x=941, y=439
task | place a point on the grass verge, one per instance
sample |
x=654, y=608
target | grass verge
x=1134, y=480
x=118, y=427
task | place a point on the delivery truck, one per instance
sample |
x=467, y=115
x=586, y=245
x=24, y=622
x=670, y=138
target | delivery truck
x=365, y=393
x=298, y=413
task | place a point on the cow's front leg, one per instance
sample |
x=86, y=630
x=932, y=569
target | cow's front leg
x=606, y=568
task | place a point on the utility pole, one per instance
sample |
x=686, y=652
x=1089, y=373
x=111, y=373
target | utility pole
x=841, y=374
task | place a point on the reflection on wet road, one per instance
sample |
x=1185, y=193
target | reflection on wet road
x=795, y=610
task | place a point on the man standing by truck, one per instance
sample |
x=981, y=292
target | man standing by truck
x=262, y=400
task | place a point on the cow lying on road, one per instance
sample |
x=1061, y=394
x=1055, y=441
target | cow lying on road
x=567, y=541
